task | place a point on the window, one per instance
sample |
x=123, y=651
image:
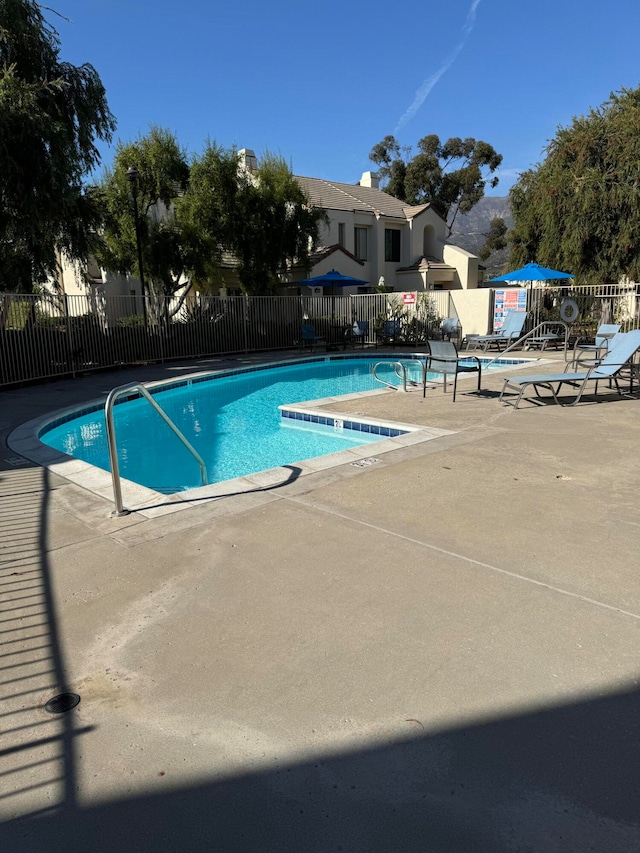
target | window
x=360, y=243
x=392, y=245
x=341, y=230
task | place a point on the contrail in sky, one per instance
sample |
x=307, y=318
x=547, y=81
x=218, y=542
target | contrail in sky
x=424, y=90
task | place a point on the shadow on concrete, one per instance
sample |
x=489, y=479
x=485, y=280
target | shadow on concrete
x=36, y=748
x=564, y=399
x=554, y=779
x=564, y=779
x=294, y=473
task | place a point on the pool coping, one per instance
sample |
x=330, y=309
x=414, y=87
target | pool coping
x=149, y=503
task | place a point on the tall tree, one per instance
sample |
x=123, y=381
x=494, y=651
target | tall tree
x=579, y=210
x=176, y=251
x=276, y=225
x=452, y=176
x=172, y=256
x=210, y=208
x=262, y=218
x=190, y=214
x=496, y=238
x=51, y=114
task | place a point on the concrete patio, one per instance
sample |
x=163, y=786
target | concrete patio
x=438, y=651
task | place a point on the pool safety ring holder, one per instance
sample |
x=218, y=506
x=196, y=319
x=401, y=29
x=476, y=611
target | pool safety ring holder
x=569, y=310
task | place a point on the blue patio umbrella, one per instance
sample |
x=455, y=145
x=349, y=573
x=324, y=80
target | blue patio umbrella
x=532, y=272
x=332, y=279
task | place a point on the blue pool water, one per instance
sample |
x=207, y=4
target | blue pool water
x=232, y=421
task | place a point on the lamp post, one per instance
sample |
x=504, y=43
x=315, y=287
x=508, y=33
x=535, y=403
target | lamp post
x=132, y=176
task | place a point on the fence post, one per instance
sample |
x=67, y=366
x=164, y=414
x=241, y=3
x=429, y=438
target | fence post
x=246, y=323
x=163, y=326
x=69, y=336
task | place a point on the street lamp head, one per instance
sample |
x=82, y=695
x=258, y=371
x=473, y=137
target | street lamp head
x=132, y=174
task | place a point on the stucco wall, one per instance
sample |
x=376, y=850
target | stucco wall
x=465, y=263
x=428, y=218
x=472, y=308
x=412, y=248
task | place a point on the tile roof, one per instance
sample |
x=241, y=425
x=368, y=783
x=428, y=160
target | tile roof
x=425, y=264
x=332, y=195
x=324, y=252
x=410, y=212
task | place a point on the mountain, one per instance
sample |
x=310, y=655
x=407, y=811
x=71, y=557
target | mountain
x=470, y=230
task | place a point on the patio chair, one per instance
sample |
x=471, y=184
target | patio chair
x=542, y=339
x=509, y=333
x=618, y=357
x=605, y=335
x=443, y=358
x=360, y=332
x=450, y=328
x=308, y=337
x=390, y=333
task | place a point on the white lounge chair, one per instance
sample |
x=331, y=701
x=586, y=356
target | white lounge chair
x=620, y=354
x=509, y=333
x=548, y=334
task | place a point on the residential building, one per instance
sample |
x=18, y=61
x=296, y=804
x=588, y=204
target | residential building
x=369, y=235
x=374, y=236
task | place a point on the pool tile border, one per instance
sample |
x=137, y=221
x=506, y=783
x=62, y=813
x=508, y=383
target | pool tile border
x=340, y=423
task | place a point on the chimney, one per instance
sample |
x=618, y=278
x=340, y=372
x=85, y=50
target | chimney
x=248, y=160
x=370, y=179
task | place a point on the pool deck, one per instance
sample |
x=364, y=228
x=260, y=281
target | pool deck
x=438, y=650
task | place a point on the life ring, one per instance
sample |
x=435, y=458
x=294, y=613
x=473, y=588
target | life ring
x=569, y=310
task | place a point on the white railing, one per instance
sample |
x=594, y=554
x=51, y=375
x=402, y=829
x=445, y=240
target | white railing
x=596, y=304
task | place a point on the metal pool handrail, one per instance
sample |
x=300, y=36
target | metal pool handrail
x=531, y=333
x=111, y=437
x=395, y=365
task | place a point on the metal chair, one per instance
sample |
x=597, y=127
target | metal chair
x=360, y=332
x=585, y=351
x=308, y=336
x=619, y=357
x=390, y=333
x=451, y=328
x=443, y=358
x=508, y=334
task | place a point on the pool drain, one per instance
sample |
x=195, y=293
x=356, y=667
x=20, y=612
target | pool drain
x=61, y=703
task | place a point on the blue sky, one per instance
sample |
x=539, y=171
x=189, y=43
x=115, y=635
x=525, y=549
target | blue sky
x=322, y=83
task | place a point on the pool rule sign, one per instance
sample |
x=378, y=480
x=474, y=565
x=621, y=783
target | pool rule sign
x=514, y=299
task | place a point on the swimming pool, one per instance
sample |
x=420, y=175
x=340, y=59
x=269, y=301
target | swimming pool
x=232, y=419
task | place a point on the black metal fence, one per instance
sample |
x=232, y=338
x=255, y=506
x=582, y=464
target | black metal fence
x=48, y=335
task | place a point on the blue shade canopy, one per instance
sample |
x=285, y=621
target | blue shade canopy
x=333, y=278
x=532, y=272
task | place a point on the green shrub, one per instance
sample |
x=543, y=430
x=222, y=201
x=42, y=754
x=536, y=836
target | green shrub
x=130, y=321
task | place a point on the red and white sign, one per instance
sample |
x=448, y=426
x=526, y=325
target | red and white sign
x=409, y=298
